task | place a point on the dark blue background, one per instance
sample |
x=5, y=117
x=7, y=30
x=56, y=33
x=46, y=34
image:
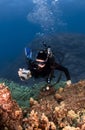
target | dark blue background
x=16, y=31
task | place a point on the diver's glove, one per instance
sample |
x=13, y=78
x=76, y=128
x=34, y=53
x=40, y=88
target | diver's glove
x=24, y=74
x=68, y=82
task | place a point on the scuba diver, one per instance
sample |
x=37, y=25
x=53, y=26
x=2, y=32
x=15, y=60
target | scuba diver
x=43, y=66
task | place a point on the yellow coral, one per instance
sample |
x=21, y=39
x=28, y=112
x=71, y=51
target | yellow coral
x=33, y=119
x=33, y=102
x=71, y=114
x=83, y=127
x=70, y=128
x=52, y=126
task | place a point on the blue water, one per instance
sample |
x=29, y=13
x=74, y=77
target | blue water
x=74, y=15
x=16, y=31
x=15, y=34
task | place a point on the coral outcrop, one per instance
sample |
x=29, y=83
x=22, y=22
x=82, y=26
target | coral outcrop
x=62, y=109
x=10, y=112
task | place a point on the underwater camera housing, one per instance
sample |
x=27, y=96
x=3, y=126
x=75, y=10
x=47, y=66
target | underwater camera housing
x=24, y=74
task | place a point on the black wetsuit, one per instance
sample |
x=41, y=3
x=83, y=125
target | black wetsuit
x=48, y=70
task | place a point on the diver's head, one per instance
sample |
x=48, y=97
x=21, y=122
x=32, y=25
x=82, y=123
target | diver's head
x=41, y=59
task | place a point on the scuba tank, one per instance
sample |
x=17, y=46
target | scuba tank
x=48, y=50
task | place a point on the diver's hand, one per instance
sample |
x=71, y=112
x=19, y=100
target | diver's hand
x=68, y=82
x=24, y=74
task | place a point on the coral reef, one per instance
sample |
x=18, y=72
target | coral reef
x=62, y=109
x=10, y=113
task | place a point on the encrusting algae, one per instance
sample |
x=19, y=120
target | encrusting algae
x=62, y=109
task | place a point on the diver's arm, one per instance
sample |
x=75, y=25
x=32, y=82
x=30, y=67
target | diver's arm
x=65, y=70
x=54, y=65
x=51, y=61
